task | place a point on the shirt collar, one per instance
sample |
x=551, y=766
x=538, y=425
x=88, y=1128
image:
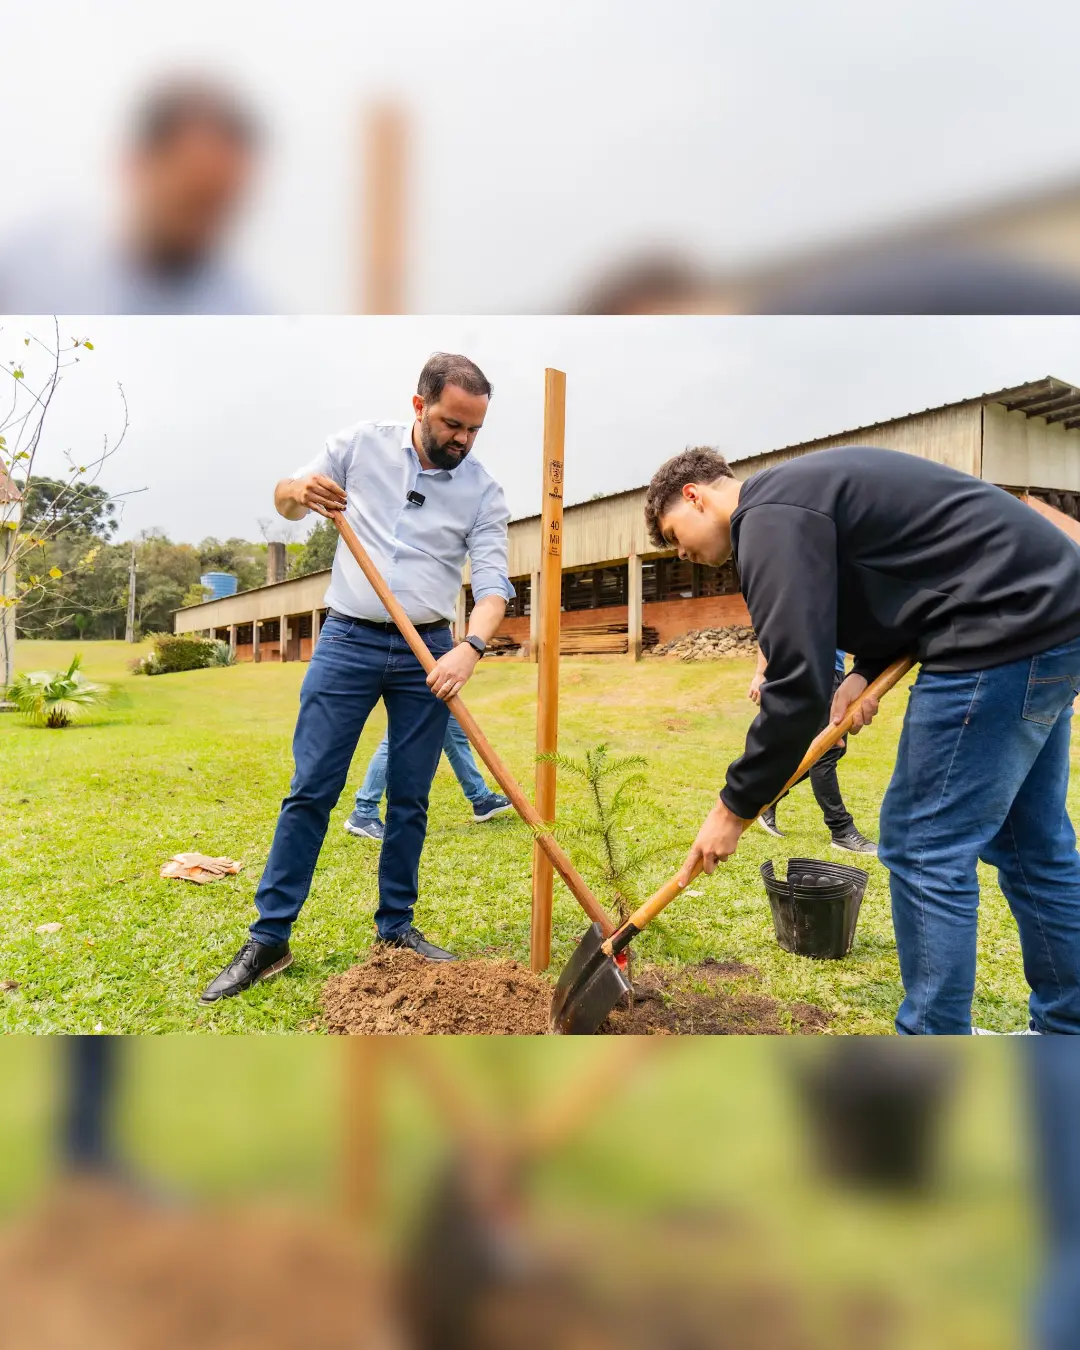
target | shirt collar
x=407, y=444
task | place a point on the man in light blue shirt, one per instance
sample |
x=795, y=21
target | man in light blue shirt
x=420, y=504
x=188, y=163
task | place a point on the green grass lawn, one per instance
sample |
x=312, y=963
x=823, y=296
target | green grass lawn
x=201, y=761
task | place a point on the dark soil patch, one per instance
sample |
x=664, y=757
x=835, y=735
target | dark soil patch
x=396, y=993
x=695, y=1002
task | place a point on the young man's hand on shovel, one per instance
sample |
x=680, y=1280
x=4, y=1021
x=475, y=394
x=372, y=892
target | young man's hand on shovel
x=848, y=692
x=716, y=841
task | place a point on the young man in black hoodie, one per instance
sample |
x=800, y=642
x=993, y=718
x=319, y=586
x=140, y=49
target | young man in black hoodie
x=884, y=554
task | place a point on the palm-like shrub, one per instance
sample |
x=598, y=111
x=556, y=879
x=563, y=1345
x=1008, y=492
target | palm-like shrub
x=56, y=698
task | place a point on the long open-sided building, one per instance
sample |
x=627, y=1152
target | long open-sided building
x=1024, y=438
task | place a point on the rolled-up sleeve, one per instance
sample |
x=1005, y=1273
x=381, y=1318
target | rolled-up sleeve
x=330, y=461
x=487, y=545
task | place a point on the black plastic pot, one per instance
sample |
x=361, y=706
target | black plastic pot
x=876, y=1112
x=815, y=909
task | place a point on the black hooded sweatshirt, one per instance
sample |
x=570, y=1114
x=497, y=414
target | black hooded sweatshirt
x=883, y=554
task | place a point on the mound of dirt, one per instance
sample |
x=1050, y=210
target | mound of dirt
x=101, y=1269
x=396, y=993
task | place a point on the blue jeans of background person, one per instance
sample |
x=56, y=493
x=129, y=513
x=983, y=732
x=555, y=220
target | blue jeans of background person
x=981, y=773
x=458, y=752
x=352, y=667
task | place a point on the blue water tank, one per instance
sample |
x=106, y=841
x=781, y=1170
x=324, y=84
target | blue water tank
x=220, y=583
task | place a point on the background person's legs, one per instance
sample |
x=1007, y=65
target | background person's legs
x=826, y=789
x=343, y=683
x=459, y=753
x=370, y=793
x=417, y=731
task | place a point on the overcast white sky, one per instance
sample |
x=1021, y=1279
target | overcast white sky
x=223, y=407
x=551, y=139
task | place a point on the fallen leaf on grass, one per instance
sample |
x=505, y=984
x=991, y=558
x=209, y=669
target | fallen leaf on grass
x=48, y=928
x=6, y=986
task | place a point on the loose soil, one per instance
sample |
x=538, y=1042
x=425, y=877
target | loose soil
x=99, y=1268
x=699, y=1001
x=396, y=993
x=96, y=1268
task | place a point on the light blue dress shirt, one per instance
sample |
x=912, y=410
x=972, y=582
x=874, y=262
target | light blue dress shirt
x=419, y=550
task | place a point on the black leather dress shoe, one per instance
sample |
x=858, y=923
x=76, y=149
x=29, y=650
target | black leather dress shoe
x=253, y=962
x=416, y=942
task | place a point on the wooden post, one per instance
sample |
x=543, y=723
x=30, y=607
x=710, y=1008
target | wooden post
x=633, y=610
x=316, y=614
x=549, y=594
x=232, y=639
x=256, y=648
x=460, y=622
x=534, y=617
x=129, y=628
x=361, y=1133
x=382, y=244
x=283, y=638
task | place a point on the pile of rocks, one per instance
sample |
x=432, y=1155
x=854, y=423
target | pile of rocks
x=709, y=644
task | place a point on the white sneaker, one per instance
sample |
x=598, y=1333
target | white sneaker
x=984, y=1031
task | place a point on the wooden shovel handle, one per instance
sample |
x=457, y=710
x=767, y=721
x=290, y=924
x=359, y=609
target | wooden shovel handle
x=822, y=742
x=484, y=749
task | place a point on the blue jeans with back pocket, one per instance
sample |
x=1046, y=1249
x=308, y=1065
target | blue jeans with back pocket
x=982, y=773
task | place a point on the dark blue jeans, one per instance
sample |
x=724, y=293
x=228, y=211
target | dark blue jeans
x=351, y=668
x=981, y=773
x=1052, y=1069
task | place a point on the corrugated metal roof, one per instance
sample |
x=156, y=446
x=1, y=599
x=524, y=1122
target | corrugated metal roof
x=1054, y=399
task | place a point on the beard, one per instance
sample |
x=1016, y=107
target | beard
x=439, y=452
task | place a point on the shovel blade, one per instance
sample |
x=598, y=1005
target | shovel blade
x=589, y=988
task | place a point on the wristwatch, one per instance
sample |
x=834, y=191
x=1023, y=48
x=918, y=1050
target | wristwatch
x=477, y=644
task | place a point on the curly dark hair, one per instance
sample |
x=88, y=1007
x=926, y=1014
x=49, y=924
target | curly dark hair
x=696, y=464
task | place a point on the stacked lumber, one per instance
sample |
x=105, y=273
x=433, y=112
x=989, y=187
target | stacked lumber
x=711, y=644
x=598, y=639
x=503, y=645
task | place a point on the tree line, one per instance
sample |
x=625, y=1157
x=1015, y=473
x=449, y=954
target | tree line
x=89, y=598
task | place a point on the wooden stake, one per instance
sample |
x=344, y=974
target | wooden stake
x=547, y=697
x=129, y=630
x=361, y=1132
x=382, y=243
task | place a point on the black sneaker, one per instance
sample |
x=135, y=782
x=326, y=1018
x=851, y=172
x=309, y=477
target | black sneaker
x=767, y=821
x=416, y=942
x=493, y=805
x=254, y=961
x=851, y=841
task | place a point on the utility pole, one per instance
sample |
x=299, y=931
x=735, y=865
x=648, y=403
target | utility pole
x=129, y=634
